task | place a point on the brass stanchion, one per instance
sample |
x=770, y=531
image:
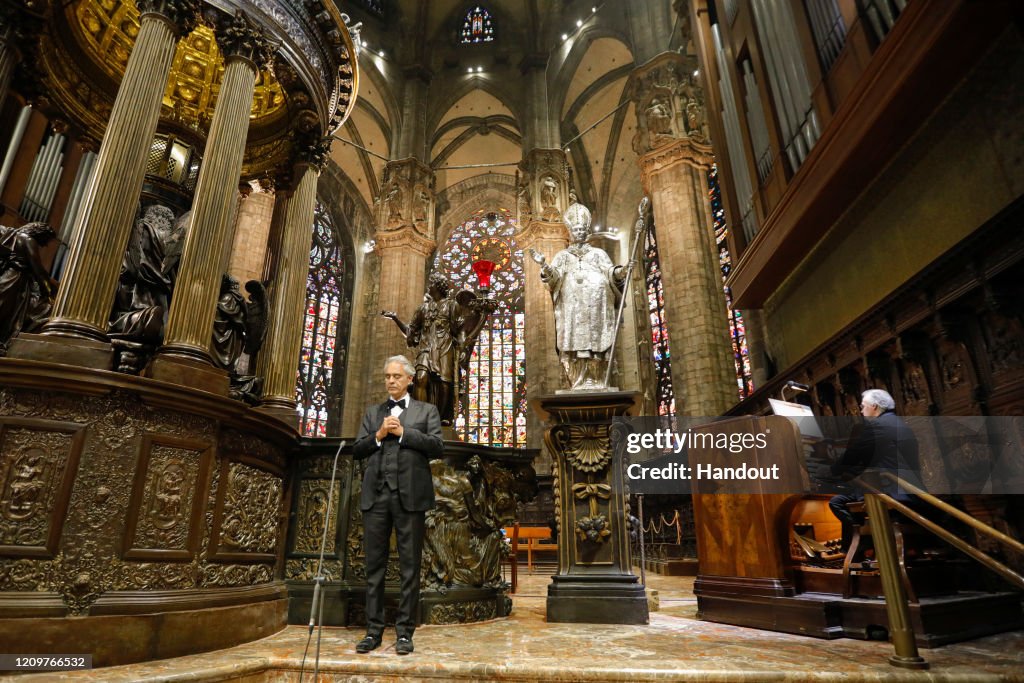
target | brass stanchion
x=900, y=628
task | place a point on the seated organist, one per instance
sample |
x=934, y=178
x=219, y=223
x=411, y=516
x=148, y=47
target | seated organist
x=884, y=444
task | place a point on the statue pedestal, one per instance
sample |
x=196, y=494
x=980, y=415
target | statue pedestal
x=595, y=582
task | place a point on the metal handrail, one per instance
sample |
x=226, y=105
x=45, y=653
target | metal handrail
x=958, y=543
x=957, y=513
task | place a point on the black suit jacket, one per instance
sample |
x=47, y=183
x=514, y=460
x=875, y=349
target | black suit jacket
x=420, y=443
x=884, y=443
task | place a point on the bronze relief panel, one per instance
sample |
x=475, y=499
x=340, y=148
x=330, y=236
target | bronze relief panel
x=247, y=514
x=165, y=512
x=40, y=459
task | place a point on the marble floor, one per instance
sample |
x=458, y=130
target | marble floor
x=675, y=646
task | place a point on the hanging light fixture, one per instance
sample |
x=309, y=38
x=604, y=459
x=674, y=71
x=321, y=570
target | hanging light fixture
x=483, y=269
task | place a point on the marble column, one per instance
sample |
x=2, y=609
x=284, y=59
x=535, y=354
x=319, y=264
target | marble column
x=187, y=337
x=86, y=290
x=541, y=227
x=405, y=241
x=279, y=358
x=675, y=156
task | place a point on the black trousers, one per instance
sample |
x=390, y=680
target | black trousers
x=838, y=506
x=387, y=513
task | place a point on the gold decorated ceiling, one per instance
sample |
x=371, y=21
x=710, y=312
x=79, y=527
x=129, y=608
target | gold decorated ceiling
x=106, y=30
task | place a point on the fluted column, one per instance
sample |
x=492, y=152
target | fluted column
x=675, y=157
x=279, y=357
x=198, y=285
x=83, y=301
x=543, y=196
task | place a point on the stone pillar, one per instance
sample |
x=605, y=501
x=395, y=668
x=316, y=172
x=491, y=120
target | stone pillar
x=405, y=240
x=187, y=337
x=279, y=358
x=10, y=55
x=675, y=156
x=542, y=228
x=86, y=290
x=595, y=583
x=403, y=264
x=251, y=232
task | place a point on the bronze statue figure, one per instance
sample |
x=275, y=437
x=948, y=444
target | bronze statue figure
x=443, y=330
x=26, y=288
x=148, y=271
x=145, y=287
x=240, y=326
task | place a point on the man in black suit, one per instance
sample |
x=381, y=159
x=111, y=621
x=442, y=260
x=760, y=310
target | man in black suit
x=884, y=444
x=398, y=438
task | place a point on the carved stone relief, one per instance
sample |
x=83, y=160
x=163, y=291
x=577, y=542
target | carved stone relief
x=407, y=197
x=543, y=186
x=669, y=104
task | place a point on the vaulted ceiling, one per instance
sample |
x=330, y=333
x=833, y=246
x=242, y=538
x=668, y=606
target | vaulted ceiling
x=477, y=110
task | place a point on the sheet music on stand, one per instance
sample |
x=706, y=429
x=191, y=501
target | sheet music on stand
x=803, y=417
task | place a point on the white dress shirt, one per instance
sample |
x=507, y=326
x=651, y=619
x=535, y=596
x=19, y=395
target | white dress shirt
x=398, y=410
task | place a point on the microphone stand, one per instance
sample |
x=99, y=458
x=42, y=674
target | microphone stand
x=642, y=209
x=316, y=609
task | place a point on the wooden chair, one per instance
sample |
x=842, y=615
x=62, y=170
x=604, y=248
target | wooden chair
x=533, y=536
x=513, y=559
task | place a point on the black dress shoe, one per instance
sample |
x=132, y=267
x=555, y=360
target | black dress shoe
x=370, y=642
x=404, y=646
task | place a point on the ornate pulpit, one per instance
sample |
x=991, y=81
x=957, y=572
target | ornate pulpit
x=595, y=581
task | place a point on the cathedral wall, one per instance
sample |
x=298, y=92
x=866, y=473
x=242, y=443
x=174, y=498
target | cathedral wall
x=963, y=166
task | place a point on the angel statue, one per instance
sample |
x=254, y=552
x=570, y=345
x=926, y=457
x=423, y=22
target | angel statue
x=585, y=288
x=443, y=330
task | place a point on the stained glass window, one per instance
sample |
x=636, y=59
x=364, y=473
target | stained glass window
x=325, y=317
x=737, y=331
x=478, y=26
x=491, y=408
x=659, y=329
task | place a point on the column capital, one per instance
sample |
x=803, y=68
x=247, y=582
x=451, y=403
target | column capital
x=238, y=37
x=311, y=150
x=543, y=191
x=407, y=197
x=406, y=238
x=536, y=231
x=182, y=15
x=673, y=153
x=668, y=101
